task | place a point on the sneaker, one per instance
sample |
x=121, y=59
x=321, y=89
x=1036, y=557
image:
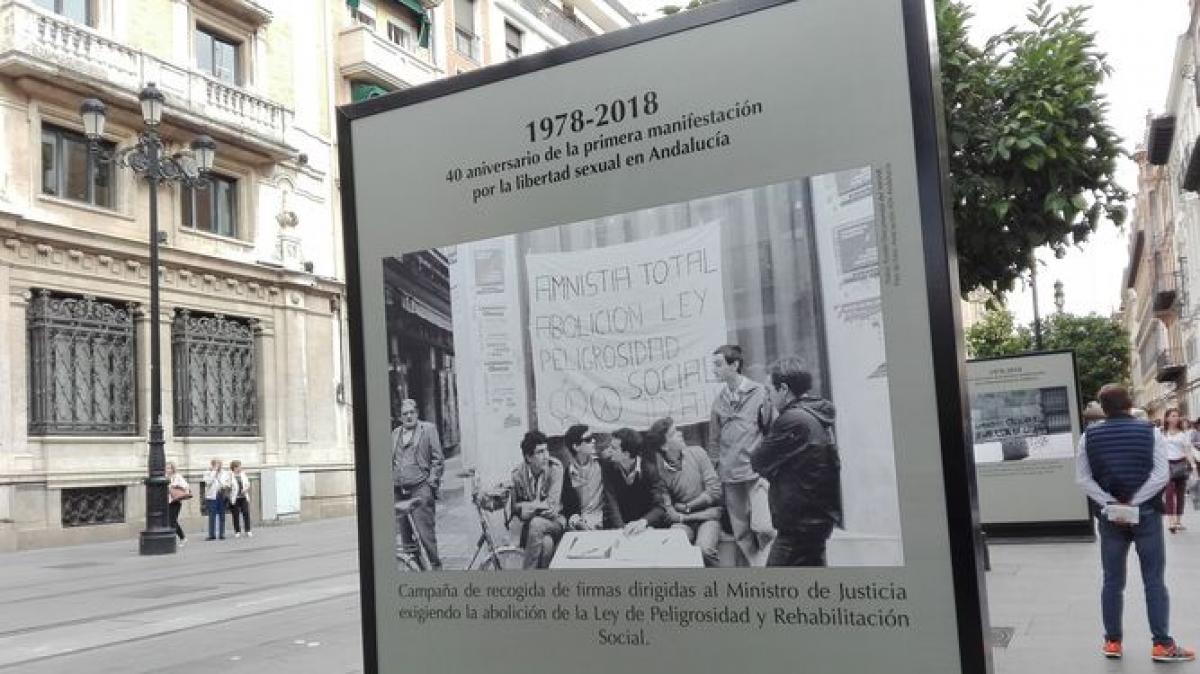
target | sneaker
x=1171, y=652
x=1112, y=649
x=249, y=534
x=238, y=535
x=182, y=542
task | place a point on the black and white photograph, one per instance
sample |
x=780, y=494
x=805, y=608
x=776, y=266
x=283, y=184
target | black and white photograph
x=1015, y=425
x=699, y=384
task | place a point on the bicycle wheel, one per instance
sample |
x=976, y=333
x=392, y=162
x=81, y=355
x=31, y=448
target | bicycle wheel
x=408, y=564
x=504, y=559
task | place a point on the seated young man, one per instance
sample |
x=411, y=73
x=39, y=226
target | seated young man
x=536, y=500
x=632, y=491
x=691, y=487
x=585, y=480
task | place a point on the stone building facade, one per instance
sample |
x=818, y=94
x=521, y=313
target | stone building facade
x=1160, y=310
x=253, y=330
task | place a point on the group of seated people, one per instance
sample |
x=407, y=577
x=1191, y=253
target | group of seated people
x=637, y=481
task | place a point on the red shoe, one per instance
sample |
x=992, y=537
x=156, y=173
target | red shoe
x=1171, y=652
x=1112, y=649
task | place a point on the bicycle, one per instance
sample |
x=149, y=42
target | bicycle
x=496, y=557
x=413, y=556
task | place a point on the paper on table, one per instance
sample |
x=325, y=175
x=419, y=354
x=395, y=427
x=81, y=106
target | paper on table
x=646, y=545
x=588, y=551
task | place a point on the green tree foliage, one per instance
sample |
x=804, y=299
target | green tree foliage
x=1032, y=157
x=1101, y=344
x=1101, y=348
x=997, y=335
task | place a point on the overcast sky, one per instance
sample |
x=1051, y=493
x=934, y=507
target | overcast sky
x=1139, y=37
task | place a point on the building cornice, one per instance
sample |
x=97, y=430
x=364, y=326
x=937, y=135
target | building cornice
x=94, y=254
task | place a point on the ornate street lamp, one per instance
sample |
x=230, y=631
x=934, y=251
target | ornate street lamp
x=149, y=158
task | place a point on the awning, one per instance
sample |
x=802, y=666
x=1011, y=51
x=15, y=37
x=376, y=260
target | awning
x=414, y=7
x=1158, y=140
x=422, y=16
x=361, y=91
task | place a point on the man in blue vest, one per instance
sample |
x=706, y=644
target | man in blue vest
x=1122, y=467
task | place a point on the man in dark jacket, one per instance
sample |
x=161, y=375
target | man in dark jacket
x=633, y=495
x=800, y=459
x=1122, y=466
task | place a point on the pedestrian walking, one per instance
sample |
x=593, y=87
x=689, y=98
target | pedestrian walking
x=178, y=491
x=216, y=493
x=239, y=498
x=1122, y=467
x=1179, y=467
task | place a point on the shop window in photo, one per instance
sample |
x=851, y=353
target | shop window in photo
x=218, y=56
x=70, y=171
x=215, y=371
x=82, y=374
x=89, y=506
x=212, y=208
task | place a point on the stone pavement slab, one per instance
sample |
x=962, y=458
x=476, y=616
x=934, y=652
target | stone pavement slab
x=1048, y=593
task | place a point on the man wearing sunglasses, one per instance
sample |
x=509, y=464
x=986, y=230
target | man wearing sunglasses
x=586, y=479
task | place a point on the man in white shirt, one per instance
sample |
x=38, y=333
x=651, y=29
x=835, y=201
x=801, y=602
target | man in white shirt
x=216, y=486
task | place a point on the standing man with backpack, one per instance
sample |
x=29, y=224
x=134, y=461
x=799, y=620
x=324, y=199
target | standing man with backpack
x=1122, y=467
x=800, y=459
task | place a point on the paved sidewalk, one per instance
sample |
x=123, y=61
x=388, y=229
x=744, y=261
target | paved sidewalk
x=290, y=595
x=1048, y=595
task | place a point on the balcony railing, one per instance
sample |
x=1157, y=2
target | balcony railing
x=1171, y=366
x=1165, y=294
x=558, y=20
x=40, y=43
x=364, y=54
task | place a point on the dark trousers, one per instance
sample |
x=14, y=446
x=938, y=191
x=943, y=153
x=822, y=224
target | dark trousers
x=1175, y=493
x=216, y=513
x=1147, y=538
x=801, y=546
x=241, y=507
x=173, y=512
x=423, y=516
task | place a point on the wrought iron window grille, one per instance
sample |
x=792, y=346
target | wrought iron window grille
x=215, y=374
x=82, y=372
x=87, y=506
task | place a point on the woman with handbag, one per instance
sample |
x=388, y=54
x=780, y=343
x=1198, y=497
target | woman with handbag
x=239, y=498
x=178, y=491
x=1179, y=461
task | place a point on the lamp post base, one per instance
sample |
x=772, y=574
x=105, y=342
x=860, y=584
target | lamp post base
x=157, y=542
